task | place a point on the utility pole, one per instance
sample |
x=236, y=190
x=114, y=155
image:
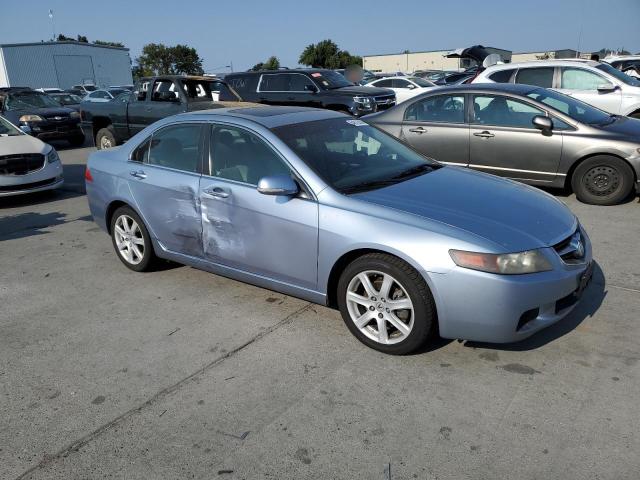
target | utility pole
x=53, y=26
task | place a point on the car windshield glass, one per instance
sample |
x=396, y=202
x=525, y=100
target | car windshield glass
x=90, y=88
x=352, y=156
x=116, y=91
x=20, y=101
x=421, y=82
x=8, y=130
x=67, y=99
x=576, y=109
x=623, y=77
x=330, y=79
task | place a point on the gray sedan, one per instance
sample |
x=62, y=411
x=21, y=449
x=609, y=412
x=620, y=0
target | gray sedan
x=322, y=206
x=527, y=133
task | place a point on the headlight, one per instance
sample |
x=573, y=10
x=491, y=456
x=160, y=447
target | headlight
x=52, y=156
x=366, y=102
x=530, y=261
x=74, y=114
x=31, y=118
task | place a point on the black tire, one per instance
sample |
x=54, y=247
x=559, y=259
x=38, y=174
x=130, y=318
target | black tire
x=77, y=141
x=602, y=180
x=148, y=259
x=424, y=310
x=105, y=138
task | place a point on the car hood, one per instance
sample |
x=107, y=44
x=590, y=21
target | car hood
x=44, y=111
x=18, y=144
x=512, y=215
x=361, y=90
x=624, y=126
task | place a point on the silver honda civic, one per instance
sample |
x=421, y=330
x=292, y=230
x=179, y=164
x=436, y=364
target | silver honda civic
x=322, y=206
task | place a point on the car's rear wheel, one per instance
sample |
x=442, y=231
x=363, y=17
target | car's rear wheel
x=105, y=138
x=602, y=180
x=386, y=304
x=131, y=240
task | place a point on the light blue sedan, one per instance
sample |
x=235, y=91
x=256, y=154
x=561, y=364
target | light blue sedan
x=322, y=206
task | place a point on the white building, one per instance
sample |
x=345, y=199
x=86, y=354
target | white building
x=63, y=64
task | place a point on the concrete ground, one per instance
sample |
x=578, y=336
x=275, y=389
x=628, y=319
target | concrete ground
x=105, y=373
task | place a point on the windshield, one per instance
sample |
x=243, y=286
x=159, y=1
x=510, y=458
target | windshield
x=117, y=91
x=330, y=79
x=90, y=88
x=67, y=99
x=7, y=129
x=623, y=77
x=352, y=156
x=421, y=82
x=26, y=100
x=576, y=109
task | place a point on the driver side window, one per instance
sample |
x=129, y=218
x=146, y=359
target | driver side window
x=239, y=155
x=438, y=109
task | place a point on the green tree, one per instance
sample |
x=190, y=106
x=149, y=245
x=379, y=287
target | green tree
x=109, y=44
x=186, y=60
x=272, y=63
x=159, y=59
x=326, y=54
x=82, y=38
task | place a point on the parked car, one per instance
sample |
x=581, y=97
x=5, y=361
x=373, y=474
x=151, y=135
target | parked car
x=319, y=205
x=67, y=100
x=112, y=123
x=49, y=90
x=104, y=95
x=367, y=75
x=40, y=115
x=457, y=78
x=310, y=88
x=623, y=62
x=404, y=87
x=124, y=87
x=85, y=88
x=526, y=133
x=27, y=164
x=598, y=84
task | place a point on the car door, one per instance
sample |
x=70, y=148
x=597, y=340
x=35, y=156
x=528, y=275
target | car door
x=137, y=107
x=504, y=141
x=164, y=178
x=583, y=84
x=271, y=236
x=436, y=127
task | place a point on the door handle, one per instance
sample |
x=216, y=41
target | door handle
x=485, y=134
x=138, y=174
x=418, y=130
x=216, y=192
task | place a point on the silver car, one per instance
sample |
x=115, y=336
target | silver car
x=322, y=206
x=526, y=133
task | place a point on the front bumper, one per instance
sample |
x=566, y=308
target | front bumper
x=47, y=178
x=486, y=307
x=56, y=130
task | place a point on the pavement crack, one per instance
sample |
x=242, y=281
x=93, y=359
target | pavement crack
x=81, y=442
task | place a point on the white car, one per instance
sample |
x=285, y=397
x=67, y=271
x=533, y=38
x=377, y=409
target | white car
x=404, y=87
x=104, y=95
x=598, y=84
x=629, y=64
x=26, y=164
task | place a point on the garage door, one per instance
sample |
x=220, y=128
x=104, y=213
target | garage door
x=73, y=70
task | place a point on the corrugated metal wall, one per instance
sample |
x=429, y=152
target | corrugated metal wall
x=64, y=64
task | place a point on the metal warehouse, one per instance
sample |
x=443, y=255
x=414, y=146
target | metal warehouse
x=63, y=64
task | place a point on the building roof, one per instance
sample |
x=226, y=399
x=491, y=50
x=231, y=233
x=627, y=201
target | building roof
x=65, y=42
x=545, y=51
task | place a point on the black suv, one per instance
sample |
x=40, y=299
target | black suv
x=40, y=115
x=310, y=88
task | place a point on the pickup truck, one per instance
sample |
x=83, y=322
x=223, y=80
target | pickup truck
x=114, y=122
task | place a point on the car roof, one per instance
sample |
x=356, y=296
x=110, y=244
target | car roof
x=514, y=88
x=285, y=70
x=543, y=63
x=268, y=116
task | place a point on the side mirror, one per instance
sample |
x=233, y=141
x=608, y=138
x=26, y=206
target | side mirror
x=542, y=123
x=411, y=86
x=278, y=185
x=607, y=88
x=310, y=88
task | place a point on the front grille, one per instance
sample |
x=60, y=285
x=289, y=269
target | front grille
x=27, y=186
x=385, y=101
x=572, y=249
x=21, y=164
x=57, y=118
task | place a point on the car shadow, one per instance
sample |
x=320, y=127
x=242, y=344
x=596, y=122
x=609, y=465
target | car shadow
x=28, y=224
x=566, y=193
x=73, y=186
x=589, y=304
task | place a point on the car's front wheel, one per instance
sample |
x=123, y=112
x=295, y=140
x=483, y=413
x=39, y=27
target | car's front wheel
x=131, y=240
x=386, y=304
x=602, y=180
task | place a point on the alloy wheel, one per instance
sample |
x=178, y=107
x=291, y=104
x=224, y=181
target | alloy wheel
x=380, y=307
x=129, y=239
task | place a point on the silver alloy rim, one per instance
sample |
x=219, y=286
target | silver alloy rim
x=129, y=239
x=380, y=307
x=105, y=142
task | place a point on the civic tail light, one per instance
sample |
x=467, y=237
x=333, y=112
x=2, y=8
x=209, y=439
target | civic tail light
x=87, y=175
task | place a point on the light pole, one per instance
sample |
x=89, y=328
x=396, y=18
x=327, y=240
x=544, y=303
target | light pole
x=53, y=26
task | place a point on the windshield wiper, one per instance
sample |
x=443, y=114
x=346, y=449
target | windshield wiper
x=366, y=186
x=414, y=171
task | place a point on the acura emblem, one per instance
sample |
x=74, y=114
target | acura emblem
x=577, y=245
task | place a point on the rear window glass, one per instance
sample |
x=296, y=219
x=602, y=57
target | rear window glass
x=540, y=77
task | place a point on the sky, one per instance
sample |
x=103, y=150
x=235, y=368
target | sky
x=245, y=32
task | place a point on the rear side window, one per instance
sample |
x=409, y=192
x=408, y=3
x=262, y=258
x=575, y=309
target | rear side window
x=384, y=83
x=278, y=82
x=400, y=83
x=439, y=109
x=177, y=146
x=502, y=76
x=540, y=77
